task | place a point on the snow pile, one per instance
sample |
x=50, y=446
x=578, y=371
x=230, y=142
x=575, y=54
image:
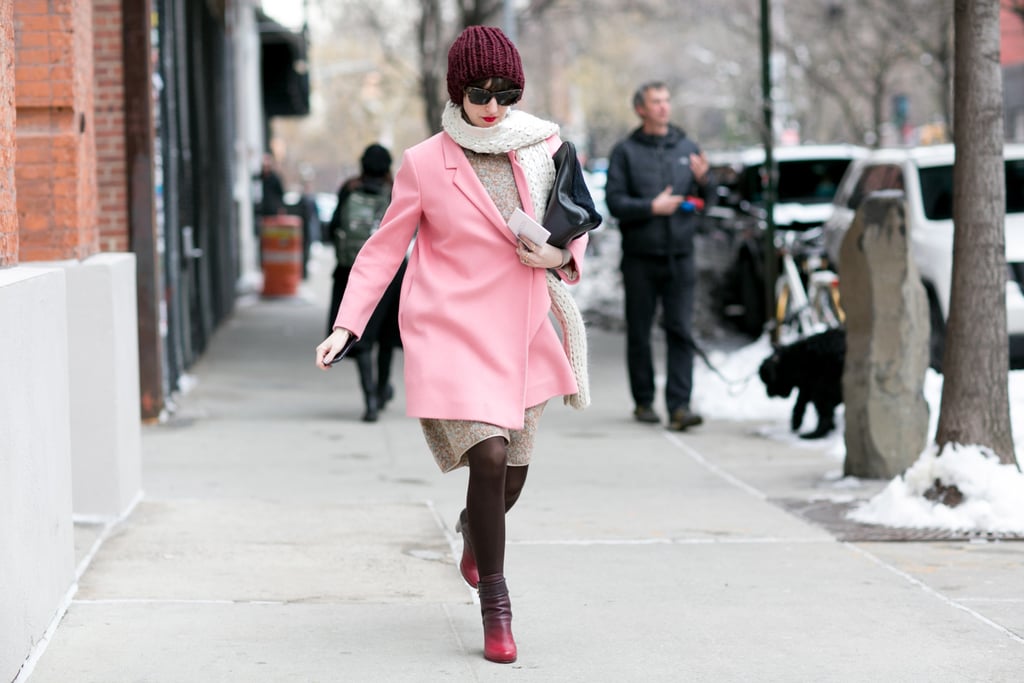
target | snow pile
x=993, y=494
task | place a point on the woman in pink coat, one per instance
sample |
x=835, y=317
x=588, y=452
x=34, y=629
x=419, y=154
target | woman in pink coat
x=482, y=357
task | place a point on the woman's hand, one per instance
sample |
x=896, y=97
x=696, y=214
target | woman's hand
x=540, y=255
x=331, y=347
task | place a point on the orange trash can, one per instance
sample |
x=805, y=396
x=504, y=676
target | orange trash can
x=281, y=246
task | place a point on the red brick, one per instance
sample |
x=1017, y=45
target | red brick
x=41, y=252
x=35, y=221
x=41, y=7
x=25, y=172
x=32, y=155
x=30, y=39
x=109, y=123
x=39, y=90
x=28, y=74
x=61, y=73
x=27, y=21
x=62, y=93
x=57, y=179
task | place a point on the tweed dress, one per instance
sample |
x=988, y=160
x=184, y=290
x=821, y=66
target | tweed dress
x=449, y=440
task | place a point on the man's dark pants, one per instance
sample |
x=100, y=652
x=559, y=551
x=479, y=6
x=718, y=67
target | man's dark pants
x=646, y=280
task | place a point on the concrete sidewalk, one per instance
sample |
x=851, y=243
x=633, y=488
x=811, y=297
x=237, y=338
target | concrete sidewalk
x=280, y=539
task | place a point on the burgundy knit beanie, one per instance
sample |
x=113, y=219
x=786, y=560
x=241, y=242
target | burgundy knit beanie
x=482, y=52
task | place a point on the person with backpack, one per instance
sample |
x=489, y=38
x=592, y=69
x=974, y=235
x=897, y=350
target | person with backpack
x=362, y=201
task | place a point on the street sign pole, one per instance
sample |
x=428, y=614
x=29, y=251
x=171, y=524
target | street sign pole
x=770, y=261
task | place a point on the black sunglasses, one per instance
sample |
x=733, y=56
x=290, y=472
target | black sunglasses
x=483, y=96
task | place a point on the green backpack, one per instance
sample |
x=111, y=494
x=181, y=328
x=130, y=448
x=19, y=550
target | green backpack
x=357, y=219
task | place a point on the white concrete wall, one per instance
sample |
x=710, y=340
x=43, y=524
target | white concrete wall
x=37, y=563
x=244, y=34
x=104, y=381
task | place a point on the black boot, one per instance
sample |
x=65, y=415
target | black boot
x=372, y=413
x=368, y=386
x=385, y=392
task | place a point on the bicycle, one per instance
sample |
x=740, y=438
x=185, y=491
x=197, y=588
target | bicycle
x=806, y=291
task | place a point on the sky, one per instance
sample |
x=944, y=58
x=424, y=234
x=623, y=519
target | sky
x=285, y=12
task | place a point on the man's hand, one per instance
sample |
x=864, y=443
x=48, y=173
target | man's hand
x=666, y=203
x=331, y=347
x=699, y=165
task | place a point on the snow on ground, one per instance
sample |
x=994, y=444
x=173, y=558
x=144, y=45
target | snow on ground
x=994, y=493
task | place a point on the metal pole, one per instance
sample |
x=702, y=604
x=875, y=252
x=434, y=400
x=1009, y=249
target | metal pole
x=770, y=262
x=139, y=131
x=509, y=19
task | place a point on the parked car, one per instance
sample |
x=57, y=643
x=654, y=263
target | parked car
x=925, y=175
x=732, y=242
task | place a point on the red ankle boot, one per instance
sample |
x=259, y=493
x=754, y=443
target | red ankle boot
x=468, y=563
x=496, y=609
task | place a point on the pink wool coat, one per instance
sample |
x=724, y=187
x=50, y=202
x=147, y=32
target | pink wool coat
x=478, y=342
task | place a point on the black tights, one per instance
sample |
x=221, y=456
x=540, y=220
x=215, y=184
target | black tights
x=493, y=489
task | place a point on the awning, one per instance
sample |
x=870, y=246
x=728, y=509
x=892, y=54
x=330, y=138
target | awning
x=284, y=69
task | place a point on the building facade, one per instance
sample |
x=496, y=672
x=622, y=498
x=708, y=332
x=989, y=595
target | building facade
x=130, y=133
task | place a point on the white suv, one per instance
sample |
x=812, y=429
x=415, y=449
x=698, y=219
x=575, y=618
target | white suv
x=808, y=177
x=925, y=175
x=732, y=247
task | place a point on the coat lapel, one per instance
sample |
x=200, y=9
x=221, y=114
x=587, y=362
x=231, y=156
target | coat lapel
x=466, y=180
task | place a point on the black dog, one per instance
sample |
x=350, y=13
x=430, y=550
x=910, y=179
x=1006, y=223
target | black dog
x=814, y=367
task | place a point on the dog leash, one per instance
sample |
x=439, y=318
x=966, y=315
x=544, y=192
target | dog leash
x=741, y=383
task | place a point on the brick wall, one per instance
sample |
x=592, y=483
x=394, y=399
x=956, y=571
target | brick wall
x=8, y=207
x=56, y=170
x=109, y=100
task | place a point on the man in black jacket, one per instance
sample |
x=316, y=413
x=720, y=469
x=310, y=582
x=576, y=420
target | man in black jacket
x=654, y=175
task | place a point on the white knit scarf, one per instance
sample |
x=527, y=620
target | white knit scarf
x=526, y=134
x=519, y=131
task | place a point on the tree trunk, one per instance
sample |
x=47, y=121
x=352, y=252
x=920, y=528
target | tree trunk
x=432, y=62
x=945, y=59
x=975, y=403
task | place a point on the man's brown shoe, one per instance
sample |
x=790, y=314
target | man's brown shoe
x=646, y=414
x=683, y=418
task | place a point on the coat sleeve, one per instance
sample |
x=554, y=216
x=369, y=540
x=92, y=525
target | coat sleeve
x=621, y=203
x=574, y=269
x=709, y=190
